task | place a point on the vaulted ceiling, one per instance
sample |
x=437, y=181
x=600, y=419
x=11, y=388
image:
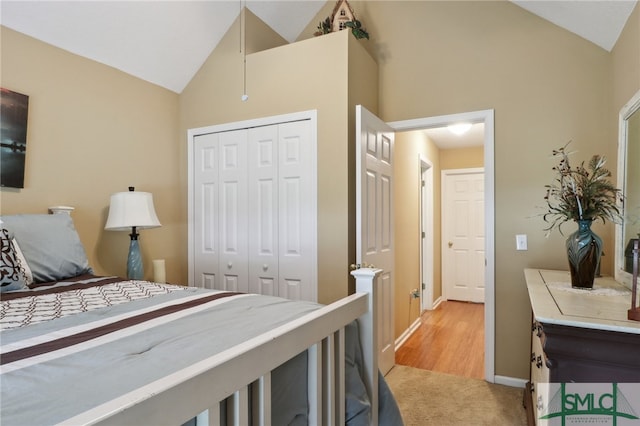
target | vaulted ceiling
x=166, y=42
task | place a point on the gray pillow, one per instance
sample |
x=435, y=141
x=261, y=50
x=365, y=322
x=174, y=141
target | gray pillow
x=50, y=244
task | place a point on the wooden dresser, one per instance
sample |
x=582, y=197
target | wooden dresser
x=579, y=336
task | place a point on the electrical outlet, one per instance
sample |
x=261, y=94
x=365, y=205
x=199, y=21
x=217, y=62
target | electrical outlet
x=521, y=242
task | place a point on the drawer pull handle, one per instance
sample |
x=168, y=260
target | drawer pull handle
x=539, y=331
x=539, y=404
x=539, y=361
x=533, y=356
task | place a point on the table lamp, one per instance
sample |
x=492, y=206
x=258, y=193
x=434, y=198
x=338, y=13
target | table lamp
x=133, y=210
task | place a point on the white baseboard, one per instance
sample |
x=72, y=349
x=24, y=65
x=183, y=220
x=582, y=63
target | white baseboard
x=510, y=381
x=437, y=302
x=407, y=333
x=413, y=327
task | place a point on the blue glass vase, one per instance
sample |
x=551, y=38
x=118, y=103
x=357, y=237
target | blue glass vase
x=584, y=249
x=135, y=271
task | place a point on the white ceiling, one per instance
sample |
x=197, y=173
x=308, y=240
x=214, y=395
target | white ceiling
x=166, y=42
x=163, y=42
x=599, y=21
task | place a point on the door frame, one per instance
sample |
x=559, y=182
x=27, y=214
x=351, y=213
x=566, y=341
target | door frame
x=486, y=117
x=426, y=229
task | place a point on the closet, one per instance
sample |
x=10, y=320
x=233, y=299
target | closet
x=252, y=207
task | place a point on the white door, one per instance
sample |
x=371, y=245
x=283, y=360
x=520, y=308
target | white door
x=232, y=172
x=220, y=206
x=263, y=200
x=463, y=245
x=297, y=201
x=374, y=218
x=205, y=207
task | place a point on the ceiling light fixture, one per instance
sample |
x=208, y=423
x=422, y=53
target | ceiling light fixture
x=459, y=128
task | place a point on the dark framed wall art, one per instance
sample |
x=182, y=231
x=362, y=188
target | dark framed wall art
x=14, y=108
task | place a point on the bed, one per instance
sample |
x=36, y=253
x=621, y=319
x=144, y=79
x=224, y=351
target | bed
x=82, y=349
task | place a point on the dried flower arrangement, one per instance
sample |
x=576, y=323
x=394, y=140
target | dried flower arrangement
x=581, y=193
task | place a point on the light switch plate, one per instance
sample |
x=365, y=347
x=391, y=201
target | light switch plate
x=521, y=242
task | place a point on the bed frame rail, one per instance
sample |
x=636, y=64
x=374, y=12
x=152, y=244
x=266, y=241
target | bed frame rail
x=230, y=376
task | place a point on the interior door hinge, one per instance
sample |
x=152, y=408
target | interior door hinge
x=423, y=234
x=424, y=287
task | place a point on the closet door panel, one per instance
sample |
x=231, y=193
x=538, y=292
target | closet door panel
x=255, y=209
x=206, y=210
x=296, y=211
x=263, y=207
x=233, y=210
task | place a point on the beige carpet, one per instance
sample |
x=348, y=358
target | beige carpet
x=430, y=398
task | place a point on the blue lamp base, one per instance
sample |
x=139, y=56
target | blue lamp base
x=135, y=271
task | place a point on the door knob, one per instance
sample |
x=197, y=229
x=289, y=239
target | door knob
x=265, y=267
x=229, y=265
x=450, y=244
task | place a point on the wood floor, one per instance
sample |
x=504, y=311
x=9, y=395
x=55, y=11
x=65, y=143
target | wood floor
x=450, y=340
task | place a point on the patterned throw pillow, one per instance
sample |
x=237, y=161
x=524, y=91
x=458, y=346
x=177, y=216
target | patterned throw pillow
x=11, y=273
x=24, y=266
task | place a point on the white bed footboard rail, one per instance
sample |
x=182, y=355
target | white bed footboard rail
x=367, y=282
x=232, y=374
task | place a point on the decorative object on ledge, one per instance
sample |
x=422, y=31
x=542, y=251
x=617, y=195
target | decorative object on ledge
x=132, y=210
x=61, y=210
x=342, y=17
x=582, y=194
x=634, y=312
x=14, y=109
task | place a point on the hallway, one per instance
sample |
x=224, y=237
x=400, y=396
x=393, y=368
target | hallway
x=449, y=340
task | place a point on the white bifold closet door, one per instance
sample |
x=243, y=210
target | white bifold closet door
x=254, y=205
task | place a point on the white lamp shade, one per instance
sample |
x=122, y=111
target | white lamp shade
x=129, y=209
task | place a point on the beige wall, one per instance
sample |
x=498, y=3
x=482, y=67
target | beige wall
x=312, y=74
x=462, y=158
x=93, y=131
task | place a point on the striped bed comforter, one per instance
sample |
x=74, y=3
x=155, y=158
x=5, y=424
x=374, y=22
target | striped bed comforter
x=70, y=347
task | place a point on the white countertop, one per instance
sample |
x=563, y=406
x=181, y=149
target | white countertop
x=555, y=302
